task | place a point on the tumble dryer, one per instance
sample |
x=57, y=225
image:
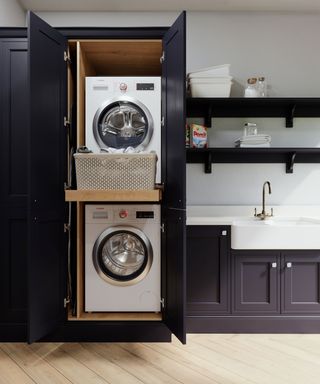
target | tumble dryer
x=122, y=258
x=124, y=112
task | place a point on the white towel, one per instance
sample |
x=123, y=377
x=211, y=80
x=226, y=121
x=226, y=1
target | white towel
x=253, y=140
x=119, y=150
x=265, y=145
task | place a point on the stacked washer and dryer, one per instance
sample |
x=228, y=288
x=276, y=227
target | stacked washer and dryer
x=122, y=242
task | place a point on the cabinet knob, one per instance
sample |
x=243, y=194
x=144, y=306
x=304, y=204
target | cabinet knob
x=224, y=233
x=289, y=265
x=274, y=265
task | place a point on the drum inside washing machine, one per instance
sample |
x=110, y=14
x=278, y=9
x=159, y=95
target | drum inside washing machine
x=122, y=255
x=123, y=122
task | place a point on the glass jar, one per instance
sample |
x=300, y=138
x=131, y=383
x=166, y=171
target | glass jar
x=251, y=89
x=262, y=87
x=250, y=129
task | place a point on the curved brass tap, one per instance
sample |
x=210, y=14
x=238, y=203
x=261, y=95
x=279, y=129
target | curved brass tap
x=264, y=215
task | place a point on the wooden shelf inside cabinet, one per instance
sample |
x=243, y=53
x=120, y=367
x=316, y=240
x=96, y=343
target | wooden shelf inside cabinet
x=116, y=316
x=289, y=156
x=287, y=107
x=153, y=195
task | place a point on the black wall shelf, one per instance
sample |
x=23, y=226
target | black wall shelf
x=289, y=156
x=287, y=107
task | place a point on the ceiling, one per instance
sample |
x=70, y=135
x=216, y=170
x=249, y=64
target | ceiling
x=171, y=5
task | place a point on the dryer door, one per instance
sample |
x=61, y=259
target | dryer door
x=123, y=122
x=122, y=255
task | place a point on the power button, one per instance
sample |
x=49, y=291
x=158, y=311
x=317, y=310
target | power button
x=123, y=87
x=123, y=214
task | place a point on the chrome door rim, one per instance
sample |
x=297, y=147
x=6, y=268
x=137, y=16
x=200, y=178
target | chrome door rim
x=100, y=240
x=95, y=123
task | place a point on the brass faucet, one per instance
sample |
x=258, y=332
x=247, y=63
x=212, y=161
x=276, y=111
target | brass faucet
x=264, y=215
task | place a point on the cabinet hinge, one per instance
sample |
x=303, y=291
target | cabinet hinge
x=66, y=301
x=66, y=122
x=162, y=121
x=162, y=228
x=162, y=58
x=66, y=57
x=224, y=233
x=66, y=227
x=162, y=302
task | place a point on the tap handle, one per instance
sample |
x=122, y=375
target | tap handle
x=255, y=212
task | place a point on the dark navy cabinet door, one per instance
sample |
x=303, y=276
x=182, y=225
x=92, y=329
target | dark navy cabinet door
x=47, y=95
x=14, y=185
x=174, y=176
x=301, y=282
x=207, y=270
x=174, y=113
x=256, y=282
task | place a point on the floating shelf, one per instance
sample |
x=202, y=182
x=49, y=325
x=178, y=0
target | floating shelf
x=286, y=107
x=289, y=156
x=153, y=195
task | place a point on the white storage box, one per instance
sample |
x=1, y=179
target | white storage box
x=210, y=89
x=216, y=71
x=132, y=171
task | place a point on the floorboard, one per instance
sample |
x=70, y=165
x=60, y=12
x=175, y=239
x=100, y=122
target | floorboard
x=206, y=359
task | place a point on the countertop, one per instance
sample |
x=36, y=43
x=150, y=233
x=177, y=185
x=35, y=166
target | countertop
x=226, y=214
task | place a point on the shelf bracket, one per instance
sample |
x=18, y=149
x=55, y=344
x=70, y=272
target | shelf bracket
x=208, y=162
x=290, y=116
x=208, y=117
x=290, y=162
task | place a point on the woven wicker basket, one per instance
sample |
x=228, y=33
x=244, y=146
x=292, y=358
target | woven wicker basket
x=133, y=171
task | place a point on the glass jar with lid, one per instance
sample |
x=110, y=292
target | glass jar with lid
x=251, y=89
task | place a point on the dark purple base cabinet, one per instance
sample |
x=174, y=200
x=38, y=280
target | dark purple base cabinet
x=208, y=268
x=257, y=291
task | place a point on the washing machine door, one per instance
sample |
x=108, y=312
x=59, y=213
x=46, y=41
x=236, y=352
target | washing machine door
x=123, y=122
x=122, y=255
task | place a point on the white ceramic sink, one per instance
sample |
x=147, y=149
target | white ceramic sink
x=276, y=233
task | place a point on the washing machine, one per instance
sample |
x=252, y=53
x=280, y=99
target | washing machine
x=122, y=258
x=124, y=112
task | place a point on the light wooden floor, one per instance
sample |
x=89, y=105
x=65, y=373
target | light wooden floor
x=224, y=359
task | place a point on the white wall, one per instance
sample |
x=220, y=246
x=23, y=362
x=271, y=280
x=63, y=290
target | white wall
x=11, y=14
x=283, y=47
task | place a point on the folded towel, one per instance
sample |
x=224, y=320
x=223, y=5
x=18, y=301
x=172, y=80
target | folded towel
x=119, y=150
x=265, y=145
x=253, y=140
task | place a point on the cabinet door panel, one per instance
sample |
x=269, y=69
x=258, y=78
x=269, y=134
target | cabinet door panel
x=207, y=270
x=13, y=186
x=47, y=82
x=301, y=282
x=256, y=281
x=174, y=175
x=174, y=112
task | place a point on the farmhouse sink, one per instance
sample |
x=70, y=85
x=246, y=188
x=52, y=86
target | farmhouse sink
x=276, y=233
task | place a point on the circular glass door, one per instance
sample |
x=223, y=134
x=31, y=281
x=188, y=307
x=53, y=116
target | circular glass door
x=121, y=123
x=122, y=256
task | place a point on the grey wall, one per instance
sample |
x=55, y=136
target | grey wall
x=11, y=14
x=282, y=46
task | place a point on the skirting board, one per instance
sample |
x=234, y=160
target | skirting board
x=254, y=324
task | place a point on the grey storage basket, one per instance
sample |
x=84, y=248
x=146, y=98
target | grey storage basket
x=103, y=171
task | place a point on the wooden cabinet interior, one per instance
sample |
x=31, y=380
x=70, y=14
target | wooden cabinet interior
x=105, y=58
x=112, y=58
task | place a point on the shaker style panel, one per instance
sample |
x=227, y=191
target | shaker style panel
x=301, y=282
x=207, y=270
x=256, y=282
x=13, y=186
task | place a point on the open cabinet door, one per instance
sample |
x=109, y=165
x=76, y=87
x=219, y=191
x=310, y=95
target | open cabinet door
x=174, y=171
x=46, y=253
